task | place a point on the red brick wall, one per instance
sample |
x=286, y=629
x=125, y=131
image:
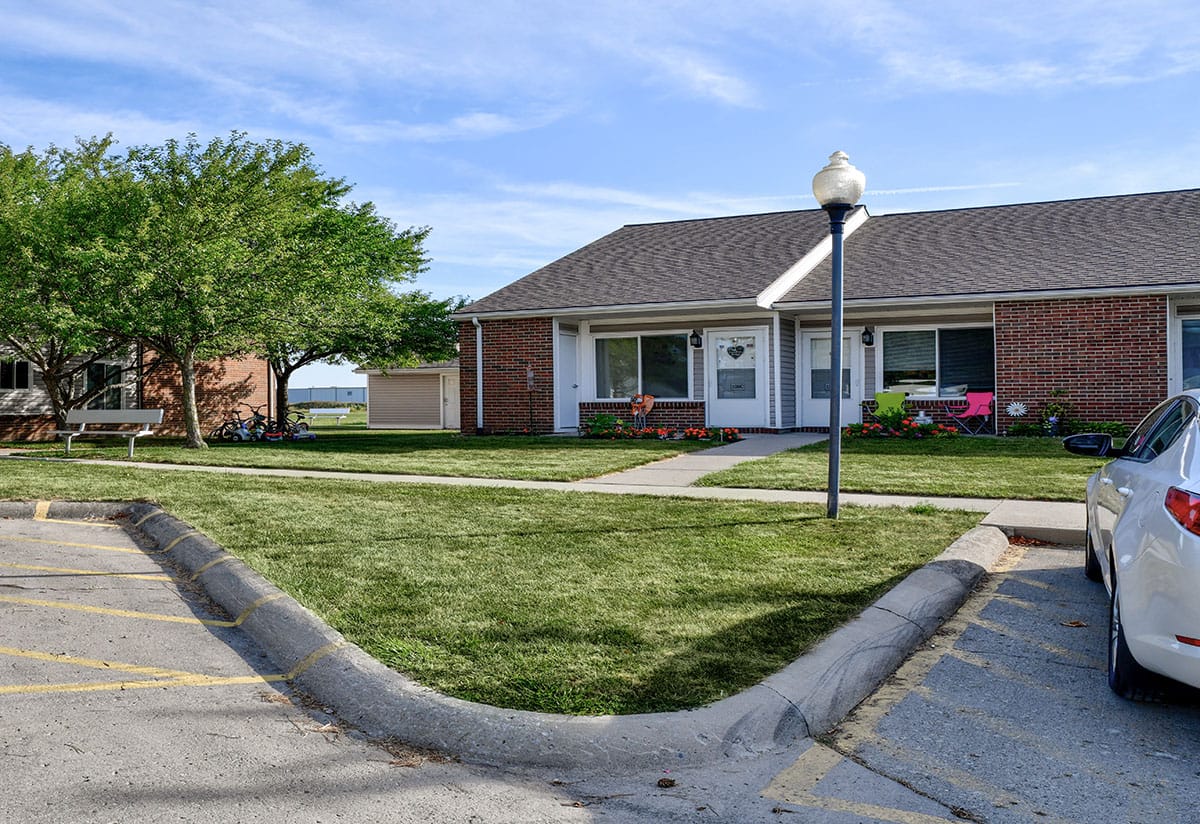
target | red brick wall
x=668, y=414
x=1110, y=354
x=220, y=386
x=27, y=427
x=510, y=349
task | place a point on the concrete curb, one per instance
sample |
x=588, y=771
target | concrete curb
x=807, y=697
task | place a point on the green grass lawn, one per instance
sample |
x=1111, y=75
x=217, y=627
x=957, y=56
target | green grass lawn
x=346, y=449
x=560, y=602
x=1019, y=468
x=356, y=419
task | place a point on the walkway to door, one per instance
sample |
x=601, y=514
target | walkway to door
x=684, y=470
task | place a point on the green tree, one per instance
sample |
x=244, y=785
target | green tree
x=57, y=208
x=209, y=225
x=338, y=297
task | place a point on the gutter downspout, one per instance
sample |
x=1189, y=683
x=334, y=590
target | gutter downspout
x=478, y=375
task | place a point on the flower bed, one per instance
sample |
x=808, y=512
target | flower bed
x=902, y=428
x=612, y=428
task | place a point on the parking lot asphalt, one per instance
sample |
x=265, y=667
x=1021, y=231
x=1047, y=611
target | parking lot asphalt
x=126, y=695
x=1005, y=716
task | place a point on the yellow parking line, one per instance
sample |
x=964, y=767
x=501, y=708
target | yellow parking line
x=93, y=663
x=103, y=547
x=145, y=518
x=97, y=686
x=222, y=560
x=148, y=616
x=67, y=571
x=171, y=678
x=315, y=656
x=796, y=784
x=41, y=512
x=119, y=613
x=266, y=599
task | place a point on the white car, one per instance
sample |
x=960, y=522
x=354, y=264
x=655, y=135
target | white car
x=1143, y=541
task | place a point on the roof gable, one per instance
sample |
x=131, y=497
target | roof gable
x=728, y=259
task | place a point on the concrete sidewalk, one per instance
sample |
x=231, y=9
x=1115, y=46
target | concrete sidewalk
x=685, y=470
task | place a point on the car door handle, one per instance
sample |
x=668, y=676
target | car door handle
x=1124, y=491
x=1106, y=481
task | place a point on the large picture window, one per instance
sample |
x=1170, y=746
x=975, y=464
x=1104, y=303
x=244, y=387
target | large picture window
x=647, y=364
x=14, y=374
x=945, y=363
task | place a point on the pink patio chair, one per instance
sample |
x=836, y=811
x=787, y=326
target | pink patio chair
x=976, y=416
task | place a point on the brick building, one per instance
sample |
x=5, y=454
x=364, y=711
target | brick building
x=220, y=386
x=726, y=320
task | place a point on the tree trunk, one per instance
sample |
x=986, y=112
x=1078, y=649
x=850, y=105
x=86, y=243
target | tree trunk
x=191, y=414
x=57, y=403
x=282, y=377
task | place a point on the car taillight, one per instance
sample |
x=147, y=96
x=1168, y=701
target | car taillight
x=1185, y=508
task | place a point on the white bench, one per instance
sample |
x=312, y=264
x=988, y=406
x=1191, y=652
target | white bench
x=338, y=413
x=82, y=419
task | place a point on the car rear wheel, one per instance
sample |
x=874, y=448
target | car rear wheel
x=1091, y=564
x=1126, y=677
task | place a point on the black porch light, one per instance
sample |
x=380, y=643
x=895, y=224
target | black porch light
x=695, y=340
x=868, y=337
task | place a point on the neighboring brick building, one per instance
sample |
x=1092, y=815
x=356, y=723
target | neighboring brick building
x=221, y=386
x=726, y=320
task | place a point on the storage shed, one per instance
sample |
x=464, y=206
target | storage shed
x=419, y=397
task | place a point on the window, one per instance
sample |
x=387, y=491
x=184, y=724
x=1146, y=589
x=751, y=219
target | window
x=107, y=375
x=944, y=363
x=1158, y=430
x=14, y=374
x=648, y=364
x=1191, y=353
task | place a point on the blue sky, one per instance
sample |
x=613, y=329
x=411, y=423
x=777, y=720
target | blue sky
x=521, y=130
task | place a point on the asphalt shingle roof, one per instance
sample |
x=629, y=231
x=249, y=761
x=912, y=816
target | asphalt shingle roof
x=1093, y=243
x=723, y=258
x=1121, y=241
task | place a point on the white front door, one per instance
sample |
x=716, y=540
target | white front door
x=450, y=409
x=736, y=377
x=815, y=380
x=566, y=388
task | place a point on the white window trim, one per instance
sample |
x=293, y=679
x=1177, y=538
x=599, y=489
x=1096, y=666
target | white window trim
x=29, y=375
x=588, y=374
x=869, y=392
x=1181, y=309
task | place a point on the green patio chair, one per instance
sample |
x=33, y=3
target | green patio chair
x=886, y=403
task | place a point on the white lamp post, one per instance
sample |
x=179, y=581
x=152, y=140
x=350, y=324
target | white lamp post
x=837, y=188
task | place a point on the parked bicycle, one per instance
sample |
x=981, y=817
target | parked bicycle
x=257, y=426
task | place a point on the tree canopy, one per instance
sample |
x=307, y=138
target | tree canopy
x=58, y=208
x=210, y=250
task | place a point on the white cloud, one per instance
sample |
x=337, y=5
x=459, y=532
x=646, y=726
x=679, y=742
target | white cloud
x=26, y=121
x=1018, y=46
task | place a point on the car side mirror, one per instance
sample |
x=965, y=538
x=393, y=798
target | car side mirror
x=1095, y=444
